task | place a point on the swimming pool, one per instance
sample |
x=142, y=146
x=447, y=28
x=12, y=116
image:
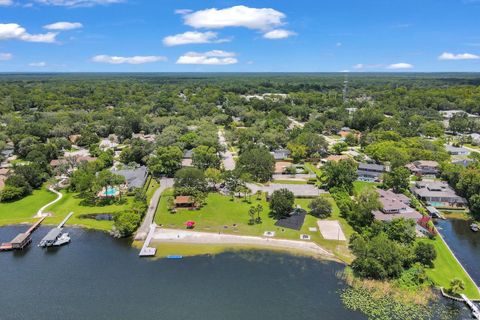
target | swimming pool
x=109, y=192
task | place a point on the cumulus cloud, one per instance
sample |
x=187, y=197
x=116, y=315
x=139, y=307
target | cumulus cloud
x=5, y=56
x=6, y=2
x=263, y=19
x=130, y=60
x=15, y=31
x=214, y=57
x=77, y=3
x=63, y=25
x=278, y=34
x=40, y=64
x=400, y=66
x=459, y=56
x=190, y=37
x=393, y=66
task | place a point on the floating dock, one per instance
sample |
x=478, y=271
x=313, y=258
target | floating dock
x=23, y=239
x=473, y=306
x=146, y=250
x=54, y=234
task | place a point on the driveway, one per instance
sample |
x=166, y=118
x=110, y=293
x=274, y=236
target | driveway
x=142, y=231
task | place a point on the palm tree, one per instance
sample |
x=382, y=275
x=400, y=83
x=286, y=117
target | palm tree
x=251, y=212
x=259, y=210
x=457, y=286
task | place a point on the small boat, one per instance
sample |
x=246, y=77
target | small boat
x=174, y=257
x=63, y=239
x=474, y=227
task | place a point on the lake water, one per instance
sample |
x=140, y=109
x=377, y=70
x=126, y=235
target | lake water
x=464, y=243
x=97, y=277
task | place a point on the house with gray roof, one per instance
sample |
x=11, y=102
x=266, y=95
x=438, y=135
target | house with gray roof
x=423, y=168
x=370, y=172
x=281, y=154
x=438, y=194
x=135, y=178
x=456, y=151
x=394, y=206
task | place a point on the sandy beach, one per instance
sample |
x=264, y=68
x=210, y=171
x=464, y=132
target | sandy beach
x=184, y=236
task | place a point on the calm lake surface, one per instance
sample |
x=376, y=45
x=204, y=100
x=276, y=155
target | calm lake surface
x=97, y=277
x=464, y=243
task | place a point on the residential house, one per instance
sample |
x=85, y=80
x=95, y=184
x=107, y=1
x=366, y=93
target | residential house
x=438, y=194
x=144, y=137
x=457, y=151
x=475, y=138
x=336, y=158
x=423, y=168
x=370, y=172
x=394, y=206
x=281, y=154
x=134, y=178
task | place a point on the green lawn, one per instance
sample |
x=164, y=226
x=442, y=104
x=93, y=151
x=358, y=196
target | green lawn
x=446, y=268
x=23, y=210
x=71, y=203
x=313, y=168
x=221, y=211
x=290, y=181
x=359, y=186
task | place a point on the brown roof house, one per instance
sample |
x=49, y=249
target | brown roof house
x=423, y=168
x=394, y=206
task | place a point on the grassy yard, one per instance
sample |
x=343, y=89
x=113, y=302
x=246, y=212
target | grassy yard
x=446, y=268
x=71, y=203
x=359, y=186
x=23, y=210
x=221, y=214
x=313, y=168
x=290, y=181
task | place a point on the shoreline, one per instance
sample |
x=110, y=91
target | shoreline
x=203, y=241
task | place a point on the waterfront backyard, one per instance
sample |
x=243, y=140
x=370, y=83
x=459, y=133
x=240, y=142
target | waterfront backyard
x=223, y=215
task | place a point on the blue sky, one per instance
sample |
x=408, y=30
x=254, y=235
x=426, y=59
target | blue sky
x=229, y=36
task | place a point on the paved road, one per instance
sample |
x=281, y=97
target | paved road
x=299, y=190
x=142, y=232
x=227, y=156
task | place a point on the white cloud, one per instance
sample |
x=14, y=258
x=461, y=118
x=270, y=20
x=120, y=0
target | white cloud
x=238, y=16
x=5, y=56
x=15, y=31
x=394, y=66
x=338, y=44
x=77, y=3
x=214, y=57
x=130, y=60
x=399, y=66
x=459, y=56
x=6, y=2
x=63, y=25
x=40, y=64
x=190, y=37
x=278, y=34
x=183, y=11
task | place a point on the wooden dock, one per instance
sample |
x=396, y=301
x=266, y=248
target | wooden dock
x=146, y=250
x=23, y=239
x=473, y=306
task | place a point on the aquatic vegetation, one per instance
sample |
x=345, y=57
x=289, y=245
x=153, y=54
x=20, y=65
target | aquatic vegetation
x=388, y=307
